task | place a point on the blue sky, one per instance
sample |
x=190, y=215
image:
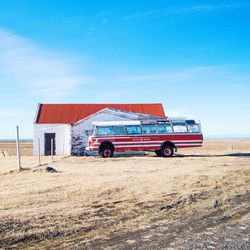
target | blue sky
x=193, y=56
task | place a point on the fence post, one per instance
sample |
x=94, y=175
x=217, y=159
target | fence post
x=52, y=149
x=39, y=153
x=18, y=149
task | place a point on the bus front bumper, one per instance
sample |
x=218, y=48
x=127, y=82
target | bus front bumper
x=92, y=148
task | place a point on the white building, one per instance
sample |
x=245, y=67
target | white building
x=65, y=127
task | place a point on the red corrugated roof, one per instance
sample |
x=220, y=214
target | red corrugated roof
x=71, y=113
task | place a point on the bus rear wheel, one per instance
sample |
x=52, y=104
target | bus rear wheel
x=167, y=151
x=106, y=152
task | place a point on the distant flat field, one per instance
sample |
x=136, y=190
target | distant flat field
x=9, y=148
x=198, y=199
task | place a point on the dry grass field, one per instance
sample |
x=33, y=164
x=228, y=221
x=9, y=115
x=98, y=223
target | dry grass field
x=9, y=148
x=198, y=199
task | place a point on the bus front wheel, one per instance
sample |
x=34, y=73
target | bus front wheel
x=167, y=151
x=106, y=151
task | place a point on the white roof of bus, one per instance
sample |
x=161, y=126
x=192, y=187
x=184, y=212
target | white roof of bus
x=116, y=123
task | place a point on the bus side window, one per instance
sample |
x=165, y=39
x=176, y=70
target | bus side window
x=193, y=128
x=149, y=129
x=164, y=129
x=180, y=127
x=105, y=131
x=119, y=130
x=133, y=129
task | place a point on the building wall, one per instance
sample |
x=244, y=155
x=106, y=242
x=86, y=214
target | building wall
x=82, y=130
x=63, y=138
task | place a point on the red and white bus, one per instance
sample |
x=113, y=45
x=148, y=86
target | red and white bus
x=161, y=137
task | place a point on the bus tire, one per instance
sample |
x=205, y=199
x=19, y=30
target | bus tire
x=106, y=151
x=167, y=151
x=158, y=153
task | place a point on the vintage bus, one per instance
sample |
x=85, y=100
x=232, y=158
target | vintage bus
x=163, y=137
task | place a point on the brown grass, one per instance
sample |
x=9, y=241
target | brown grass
x=9, y=148
x=94, y=199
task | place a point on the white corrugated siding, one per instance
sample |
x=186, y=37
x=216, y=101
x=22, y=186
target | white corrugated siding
x=63, y=138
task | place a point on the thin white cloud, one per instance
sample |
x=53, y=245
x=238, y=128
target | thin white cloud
x=179, y=75
x=110, y=96
x=183, y=112
x=210, y=7
x=158, y=77
x=16, y=113
x=188, y=9
x=39, y=70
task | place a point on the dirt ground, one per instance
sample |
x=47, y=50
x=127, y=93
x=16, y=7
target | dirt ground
x=198, y=199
